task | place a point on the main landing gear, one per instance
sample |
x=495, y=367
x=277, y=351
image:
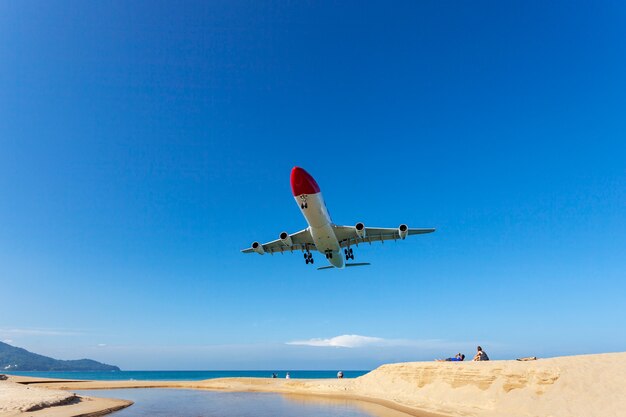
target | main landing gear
x=349, y=254
x=308, y=257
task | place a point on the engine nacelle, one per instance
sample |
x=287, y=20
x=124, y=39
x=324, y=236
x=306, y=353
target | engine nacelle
x=403, y=231
x=360, y=230
x=285, y=238
x=258, y=248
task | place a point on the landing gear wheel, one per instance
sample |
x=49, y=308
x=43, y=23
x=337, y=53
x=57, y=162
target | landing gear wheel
x=312, y=260
x=306, y=260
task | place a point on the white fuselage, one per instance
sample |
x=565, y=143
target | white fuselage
x=321, y=227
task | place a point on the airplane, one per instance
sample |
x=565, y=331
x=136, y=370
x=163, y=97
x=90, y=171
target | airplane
x=322, y=234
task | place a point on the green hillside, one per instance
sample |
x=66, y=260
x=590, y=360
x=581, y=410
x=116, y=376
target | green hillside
x=17, y=359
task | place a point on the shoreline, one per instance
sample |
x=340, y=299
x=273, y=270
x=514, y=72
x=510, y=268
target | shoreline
x=573, y=386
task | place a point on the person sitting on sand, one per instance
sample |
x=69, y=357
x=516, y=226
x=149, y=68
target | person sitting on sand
x=459, y=357
x=481, y=355
x=287, y=376
x=340, y=374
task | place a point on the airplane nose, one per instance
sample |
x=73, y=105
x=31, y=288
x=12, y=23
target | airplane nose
x=302, y=182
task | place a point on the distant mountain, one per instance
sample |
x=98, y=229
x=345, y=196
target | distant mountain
x=17, y=359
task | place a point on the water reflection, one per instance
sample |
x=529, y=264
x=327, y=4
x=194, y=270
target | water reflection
x=196, y=403
x=368, y=408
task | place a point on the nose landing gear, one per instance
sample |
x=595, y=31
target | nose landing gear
x=303, y=203
x=329, y=254
x=349, y=254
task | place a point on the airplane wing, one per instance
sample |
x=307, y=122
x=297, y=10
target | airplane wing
x=299, y=241
x=347, y=235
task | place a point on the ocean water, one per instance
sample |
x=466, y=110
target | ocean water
x=183, y=375
x=197, y=403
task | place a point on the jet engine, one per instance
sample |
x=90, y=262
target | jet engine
x=258, y=248
x=286, y=239
x=360, y=230
x=403, y=231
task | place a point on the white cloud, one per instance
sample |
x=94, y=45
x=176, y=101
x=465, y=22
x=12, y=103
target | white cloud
x=8, y=341
x=357, y=341
x=37, y=332
x=346, y=341
x=101, y=344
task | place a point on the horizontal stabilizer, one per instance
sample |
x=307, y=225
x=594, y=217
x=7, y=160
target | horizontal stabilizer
x=347, y=265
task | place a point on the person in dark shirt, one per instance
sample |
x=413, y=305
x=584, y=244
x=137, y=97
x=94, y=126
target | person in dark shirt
x=481, y=355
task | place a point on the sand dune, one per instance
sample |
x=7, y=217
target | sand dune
x=27, y=400
x=17, y=398
x=585, y=386
x=575, y=386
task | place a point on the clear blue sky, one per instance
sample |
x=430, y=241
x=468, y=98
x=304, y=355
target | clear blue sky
x=143, y=144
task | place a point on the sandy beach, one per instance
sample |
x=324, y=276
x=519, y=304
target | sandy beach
x=17, y=399
x=574, y=386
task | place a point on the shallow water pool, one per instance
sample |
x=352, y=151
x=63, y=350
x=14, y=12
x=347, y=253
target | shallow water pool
x=157, y=402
